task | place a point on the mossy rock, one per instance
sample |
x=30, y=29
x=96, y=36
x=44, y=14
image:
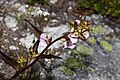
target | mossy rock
x=98, y=30
x=73, y=63
x=106, y=46
x=66, y=71
x=92, y=40
x=85, y=50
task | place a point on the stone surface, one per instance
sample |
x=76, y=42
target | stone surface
x=27, y=41
x=11, y=22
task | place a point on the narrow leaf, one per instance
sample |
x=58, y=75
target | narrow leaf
x=35, y=46
x=36, y=31
x=12, y=62
x=51, y=56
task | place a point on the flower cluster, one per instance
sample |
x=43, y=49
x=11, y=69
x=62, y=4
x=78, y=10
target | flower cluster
x=79, y=31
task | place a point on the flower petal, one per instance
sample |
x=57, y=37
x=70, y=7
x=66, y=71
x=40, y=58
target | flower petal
x=42, y=45
x=43, y=42
x=43, y=36
x=86, y=34
x=70, y=46
x=73, y=38
x=78, y=22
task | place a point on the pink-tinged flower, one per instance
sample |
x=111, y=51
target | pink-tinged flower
x=44, y=41
x=71, y=42
x=70, y=45
x=86, y=34
x=78, y=22
x=43, y=36
x=73, y=38
x=76, y=33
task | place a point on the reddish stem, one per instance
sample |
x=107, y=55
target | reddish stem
x=37, y=58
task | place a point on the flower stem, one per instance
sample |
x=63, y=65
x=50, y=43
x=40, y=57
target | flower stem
x=37, y=58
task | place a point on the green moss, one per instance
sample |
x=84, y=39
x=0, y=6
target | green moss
x=98, y=30
x=73, y=63
x=92, y=40
x=66, y=71
x=106, y=46
x=84, y=50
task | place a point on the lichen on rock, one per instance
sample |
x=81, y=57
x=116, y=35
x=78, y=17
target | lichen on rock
x=92, y=40
x=74, y=63
x=98, y=30
x=106, y=46
x=66, y=71
x=84, y=50
x=107, y=38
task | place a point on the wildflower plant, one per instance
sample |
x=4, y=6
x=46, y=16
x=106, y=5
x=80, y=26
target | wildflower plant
x=78, y=31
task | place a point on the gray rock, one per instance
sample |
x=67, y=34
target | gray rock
x=11, y=23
